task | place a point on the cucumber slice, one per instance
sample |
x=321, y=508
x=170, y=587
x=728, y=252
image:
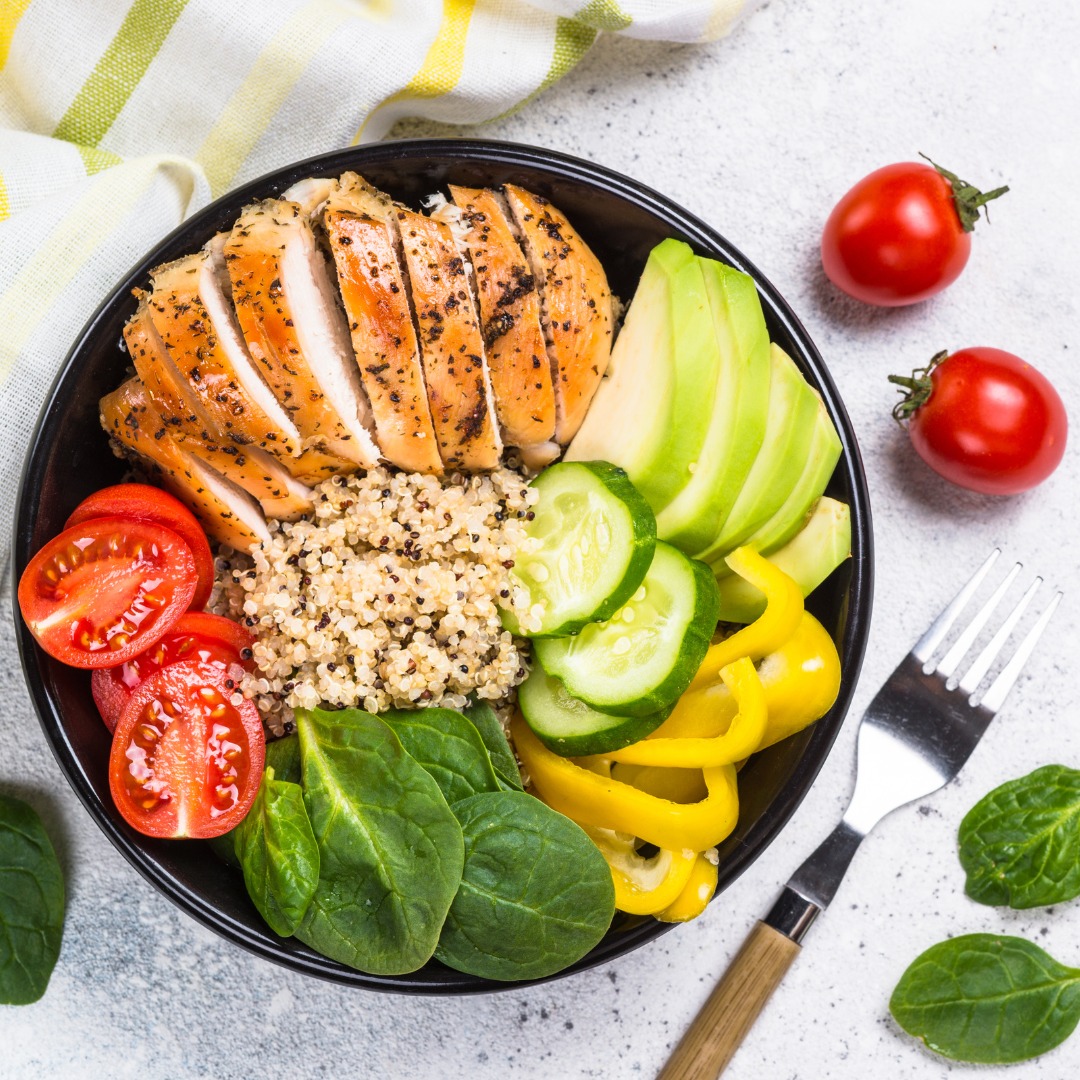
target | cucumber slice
x=644, y=657
x=596, y=538
x=569, y=727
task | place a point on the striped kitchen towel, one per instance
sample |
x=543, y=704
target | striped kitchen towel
x=118, y=118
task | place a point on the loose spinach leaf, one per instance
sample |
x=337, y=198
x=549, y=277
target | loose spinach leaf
x=278, y=854
x=536, y=894
x=390, y=849
x=987, y=999
x=491, y=731
x=31, y=904
x=283, y=756
x=448, y=746
x=1020, y=845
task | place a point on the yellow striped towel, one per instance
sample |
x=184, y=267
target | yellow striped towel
x=118, y=118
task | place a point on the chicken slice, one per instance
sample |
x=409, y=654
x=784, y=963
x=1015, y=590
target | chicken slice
x=452, y=349
x=510, y=317
x=194, y=318
x=576, y=303
x=288, y=310
x=173, y=399
x=359, y=224
x=227, y=513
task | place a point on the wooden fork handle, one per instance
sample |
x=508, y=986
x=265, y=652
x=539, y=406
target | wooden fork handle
x=725, y=1019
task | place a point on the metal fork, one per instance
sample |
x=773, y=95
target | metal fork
x=914, y=738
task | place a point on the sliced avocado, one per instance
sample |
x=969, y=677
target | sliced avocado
x=821, y=458
x=631, y=416
x=809, y=557
x=736, y=426
x=789, y=428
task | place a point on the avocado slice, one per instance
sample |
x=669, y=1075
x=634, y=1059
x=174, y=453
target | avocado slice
x=631, y=415
x=789, y=427
x=821, y=458
x=809, y=557
x=736, y=421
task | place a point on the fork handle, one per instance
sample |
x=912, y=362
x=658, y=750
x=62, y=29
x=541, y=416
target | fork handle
x=734, y=1005
x=743, y=991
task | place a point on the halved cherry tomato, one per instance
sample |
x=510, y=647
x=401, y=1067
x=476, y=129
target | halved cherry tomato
x=105, y=590
x=211, y=640
x=185, y=761
x=141, y=502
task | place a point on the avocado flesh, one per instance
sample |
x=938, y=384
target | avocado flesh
x=631, y=416
x=809, y=557
x=697, y=372
x=736, y=427
x=789, y=429
x=821, y=458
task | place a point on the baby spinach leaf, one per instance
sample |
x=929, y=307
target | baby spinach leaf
x=491, y=731
x=283, y=756
x=448, y=746
x=1020, y=845
x=987, y=999
x=278, y=854
x=31, y=904
x=536, y=894
x=390, y=849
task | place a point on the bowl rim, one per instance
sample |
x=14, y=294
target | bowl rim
x=558, y=166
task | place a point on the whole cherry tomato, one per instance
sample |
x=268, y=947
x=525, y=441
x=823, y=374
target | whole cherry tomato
x=984, y=419
x=901, y=234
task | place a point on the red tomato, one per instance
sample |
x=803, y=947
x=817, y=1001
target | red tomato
x=105, y=590
x=985, y=420
x=900, y=234
x=141, y=502
x=211, y=640
x=185, y=761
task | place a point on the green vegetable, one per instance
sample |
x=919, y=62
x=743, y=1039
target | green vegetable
x=491, y=731
x=570, y=727
x=390, y=849
x=448, y=746
x=987, y=999
x=596, y=535
x=31, y=904
x=278, y=854
x=536, y=894
x=283, y=756
x=1020, y=845
x=644, y=656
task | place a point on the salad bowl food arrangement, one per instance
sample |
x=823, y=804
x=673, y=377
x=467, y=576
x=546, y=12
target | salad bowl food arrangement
x=515, y=477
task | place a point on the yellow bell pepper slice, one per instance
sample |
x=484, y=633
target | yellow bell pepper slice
x=678, y=785
x=783, y=608
x=696, y=894
x=742, y=738
x=800, y=679
x=642, y=886
x=591, y=799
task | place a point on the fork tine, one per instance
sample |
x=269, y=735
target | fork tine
x=1001, y=686
x=951, y=660
x=970, y=682
x=935, y=634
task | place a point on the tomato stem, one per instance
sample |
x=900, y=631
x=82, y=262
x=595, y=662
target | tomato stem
x=967, y=198
x=916, y=388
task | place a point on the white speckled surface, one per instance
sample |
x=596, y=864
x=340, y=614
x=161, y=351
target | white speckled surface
x=759, y=135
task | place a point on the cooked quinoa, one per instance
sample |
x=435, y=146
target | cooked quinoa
x=387, y=595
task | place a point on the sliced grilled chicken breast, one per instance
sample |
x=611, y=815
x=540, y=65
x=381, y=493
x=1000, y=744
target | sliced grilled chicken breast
x=225, y=511
x=172, y=397
x=359, y=224
x=510, y=319
x=288, y=311
x=451, y=346
x=309, y=466
x=577, y=309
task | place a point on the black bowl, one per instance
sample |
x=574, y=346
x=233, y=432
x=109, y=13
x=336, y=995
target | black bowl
x=69, y=458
